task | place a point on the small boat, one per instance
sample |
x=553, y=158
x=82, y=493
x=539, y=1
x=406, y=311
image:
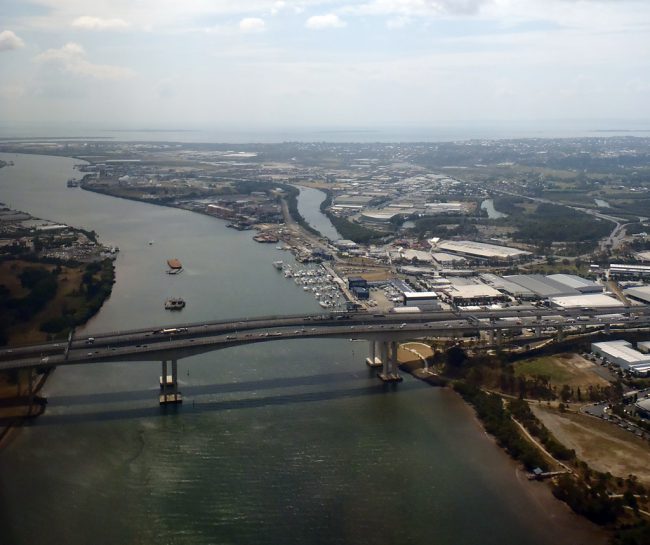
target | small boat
x=175, y=266
x=151, y=243
x=278, y=265
x=174, y=303
x=323, y=304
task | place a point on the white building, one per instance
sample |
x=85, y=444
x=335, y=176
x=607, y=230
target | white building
x=622, y=353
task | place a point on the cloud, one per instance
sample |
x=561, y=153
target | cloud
x=319, y=22
x=72, y=58
x=398, y=22
x=9, y=41
x=87, y=22
x=12, y=91
x=252, y=24
x=420, y=7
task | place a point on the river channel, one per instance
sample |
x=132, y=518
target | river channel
x=280, y=443
x=309, y=202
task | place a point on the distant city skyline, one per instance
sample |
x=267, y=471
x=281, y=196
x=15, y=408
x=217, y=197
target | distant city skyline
x=323, y=63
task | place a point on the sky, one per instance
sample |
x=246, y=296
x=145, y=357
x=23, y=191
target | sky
x=327, y=63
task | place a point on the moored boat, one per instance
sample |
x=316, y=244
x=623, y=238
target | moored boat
x=174, y=303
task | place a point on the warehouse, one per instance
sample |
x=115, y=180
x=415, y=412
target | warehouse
x=643, y=407
x=541, y=285
x=480, y=250
x=475, y=295
x=448, y=260
x=622, y=353
x=425, y=300
x=505, y=286
x=417, y=256
x=589, y=300
x=576, y=282
x=385, y=216
x=641, y=294
x=643, y=347
x=617, y=270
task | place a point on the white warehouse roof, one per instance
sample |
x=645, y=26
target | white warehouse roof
x=642, y=293
x=590, y=300
x=622, y=350
x=480, y=249
x=420, y=295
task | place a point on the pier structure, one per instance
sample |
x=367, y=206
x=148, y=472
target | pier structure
x=383, y=354
x=169, y=393
x=373, y=360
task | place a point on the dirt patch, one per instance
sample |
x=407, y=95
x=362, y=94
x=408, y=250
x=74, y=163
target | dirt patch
x=603, y=445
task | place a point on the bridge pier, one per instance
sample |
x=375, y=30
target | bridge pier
x=607, y=328
x=491, y=336
x=390, y=370
x=169, y=393
x=372, y=360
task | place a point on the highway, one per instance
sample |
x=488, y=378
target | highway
x=182, y=340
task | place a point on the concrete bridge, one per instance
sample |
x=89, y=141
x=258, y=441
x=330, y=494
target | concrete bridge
x=383, y=331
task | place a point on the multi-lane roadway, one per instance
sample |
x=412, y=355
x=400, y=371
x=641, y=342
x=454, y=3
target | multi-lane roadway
x=182, y=340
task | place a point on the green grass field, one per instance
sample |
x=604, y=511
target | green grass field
x=547, y=366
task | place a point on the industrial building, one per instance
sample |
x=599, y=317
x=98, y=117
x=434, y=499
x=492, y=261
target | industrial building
x=641, y=294
x=506, y=286
x=622, y=353
x=425, y=300
x=448, y=260
x=357, y=282
x=643, y=407
x=474, y=295
x=643, y=347
x=417, y=256
x=618, y=270
x=576, y=282
x=480, y=250
x=542, y=286
x=589, y=300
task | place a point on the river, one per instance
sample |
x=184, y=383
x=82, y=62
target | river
x=285, y=442
x=309, y=202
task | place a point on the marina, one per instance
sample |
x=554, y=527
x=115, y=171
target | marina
x=316, y=280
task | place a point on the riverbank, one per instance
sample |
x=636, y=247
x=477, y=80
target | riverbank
x=565, y=514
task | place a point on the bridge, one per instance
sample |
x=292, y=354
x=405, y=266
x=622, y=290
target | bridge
x=383, y=331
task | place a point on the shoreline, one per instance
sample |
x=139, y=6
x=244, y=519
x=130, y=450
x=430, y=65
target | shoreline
x=565, y=522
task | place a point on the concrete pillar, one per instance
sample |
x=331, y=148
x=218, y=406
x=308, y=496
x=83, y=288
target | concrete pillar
x=163, y=378
x=560, y=333
x=371, y=360
x=538, y=331
x=491, y=335
x=175, y=377
x=607, y=328
x=384, y=357
x=394, y=364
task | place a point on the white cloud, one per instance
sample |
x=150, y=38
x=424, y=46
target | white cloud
x=330, y=20
x=9, y=41
x=252, y=24
x=278, y=7
x=422, y=7
x=12, y=91
x=398, y=22
x=87, y=22
x=72, y=58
